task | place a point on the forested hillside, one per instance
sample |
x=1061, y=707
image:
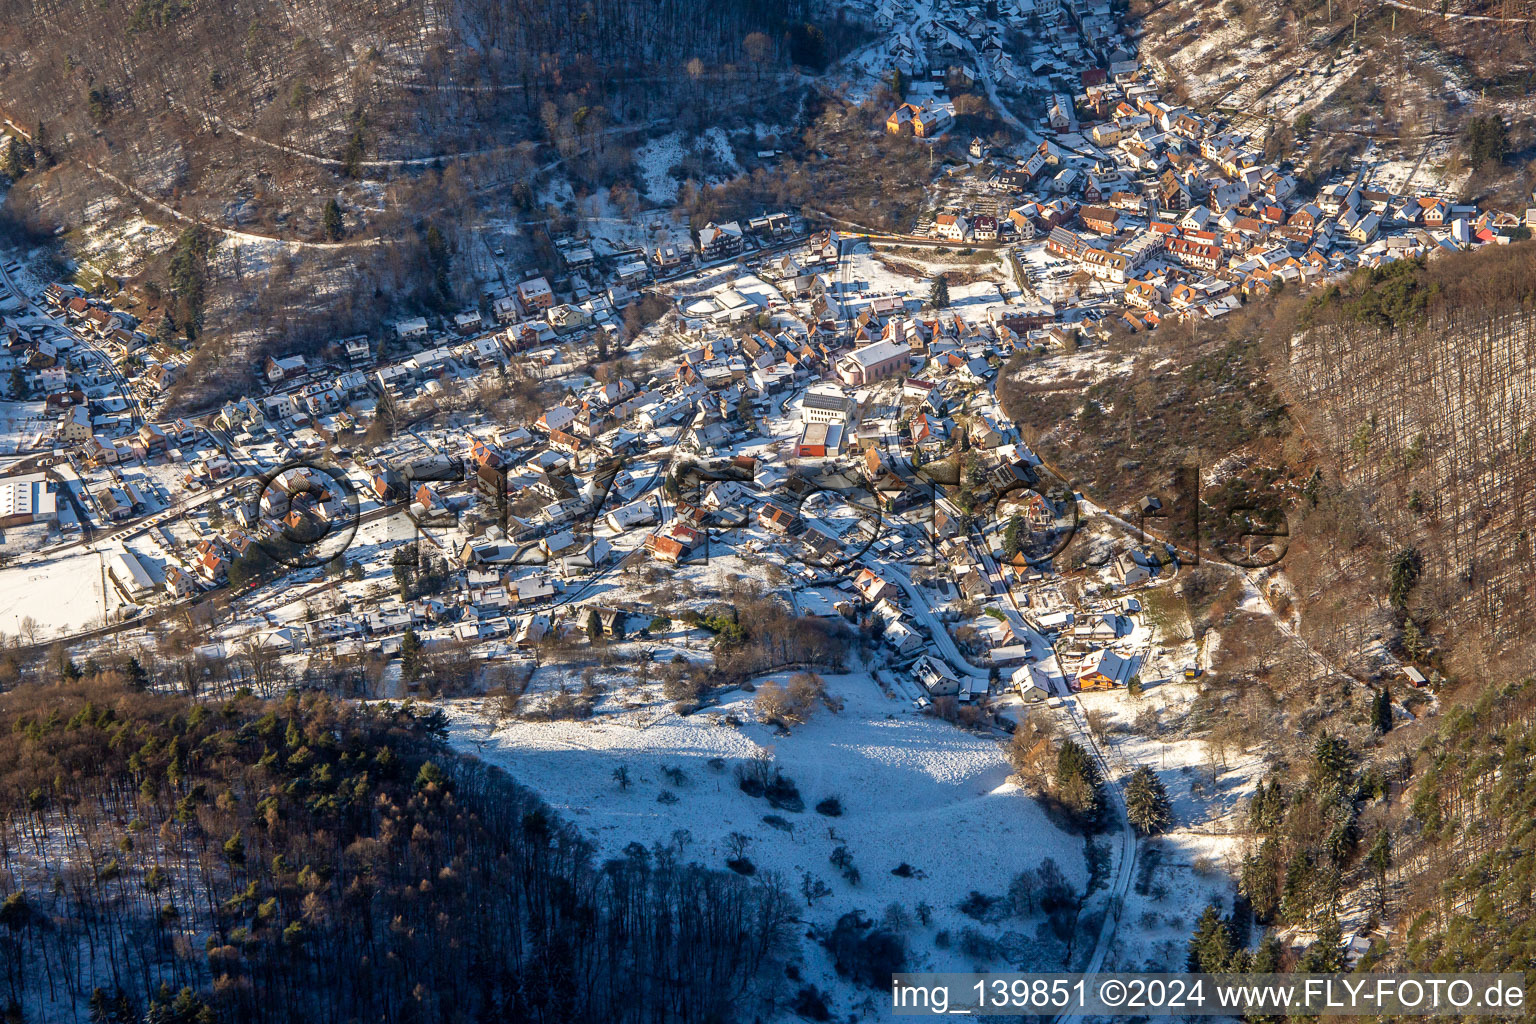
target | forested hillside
x=1466, y=866
x=1418, y=382
x=343, y=156
x=227, y=109
x=328, y=862
x=305, y=71
x=1390, y=415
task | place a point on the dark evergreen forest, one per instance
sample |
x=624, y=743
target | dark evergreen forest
x=316, y=860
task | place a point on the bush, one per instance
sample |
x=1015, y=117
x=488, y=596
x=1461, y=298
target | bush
x=562, y=707
x=680, y=686
x=791, y=704
x=782, y=794
x=977, y=946
x=981, y=907
x=1044, y=890
x=811, y=1004
x=675, y=775
x=832, y=807
x=865, y=954
x=752, y=777
x=843, y=861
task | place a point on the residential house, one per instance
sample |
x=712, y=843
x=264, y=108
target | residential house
x=535, y=295
x=1191, y=253
x=720, y=240
x=1105, y=669
x=935, y=677
x=873, y=588
x=413, y=329
x=282, y=369
x=778, y=519
x=953, y=226
x=468, y=322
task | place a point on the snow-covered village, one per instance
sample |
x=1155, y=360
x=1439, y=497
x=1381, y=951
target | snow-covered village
x=766, y=540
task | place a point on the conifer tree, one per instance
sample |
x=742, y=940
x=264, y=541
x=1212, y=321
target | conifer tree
x=410, y=655
x=1146, y=802
x=330, y=221
x=1379, y=860
x=1013, y=535
x=1326, y=954
x=940, y=295
x=1077, y=779
x=1210, y=949
x=1260, y=880
x=1381, y=711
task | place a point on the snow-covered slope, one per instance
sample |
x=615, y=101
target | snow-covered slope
x=914, y=790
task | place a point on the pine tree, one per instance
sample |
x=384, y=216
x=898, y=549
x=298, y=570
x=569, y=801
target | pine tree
x=1013, y=535
x=1267, y=808
x=352, y=157
x=1403, y=575
x=1381, y=711
x=1296, y=895
x=1210, y=949
x=1331, y=761
x=1146, y=802
x=330, y=222
x=940, y=296
x=1326, y=955
x=1487, y=140
x=1217, y=954
x=1379, y=859
x=1267, y=959
x=1077, y=779
x=189, y=275
x=439, y=260
x=1205, y=927
x=11, y=163
x=1260, y=881
x=594, y=626
x=100, y=1011
x=410, y=655
x=429, y=774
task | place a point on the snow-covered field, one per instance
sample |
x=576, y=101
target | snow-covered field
x=914, y=790
x=21, y=423
x=655, y=160
x=60, y=594
x=1193, y=864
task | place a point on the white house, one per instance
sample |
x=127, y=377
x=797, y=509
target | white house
x=407, y=330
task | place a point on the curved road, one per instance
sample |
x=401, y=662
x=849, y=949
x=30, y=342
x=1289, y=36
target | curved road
x=1121, y=873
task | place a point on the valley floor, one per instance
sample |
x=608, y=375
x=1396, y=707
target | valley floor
x=914, y=790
